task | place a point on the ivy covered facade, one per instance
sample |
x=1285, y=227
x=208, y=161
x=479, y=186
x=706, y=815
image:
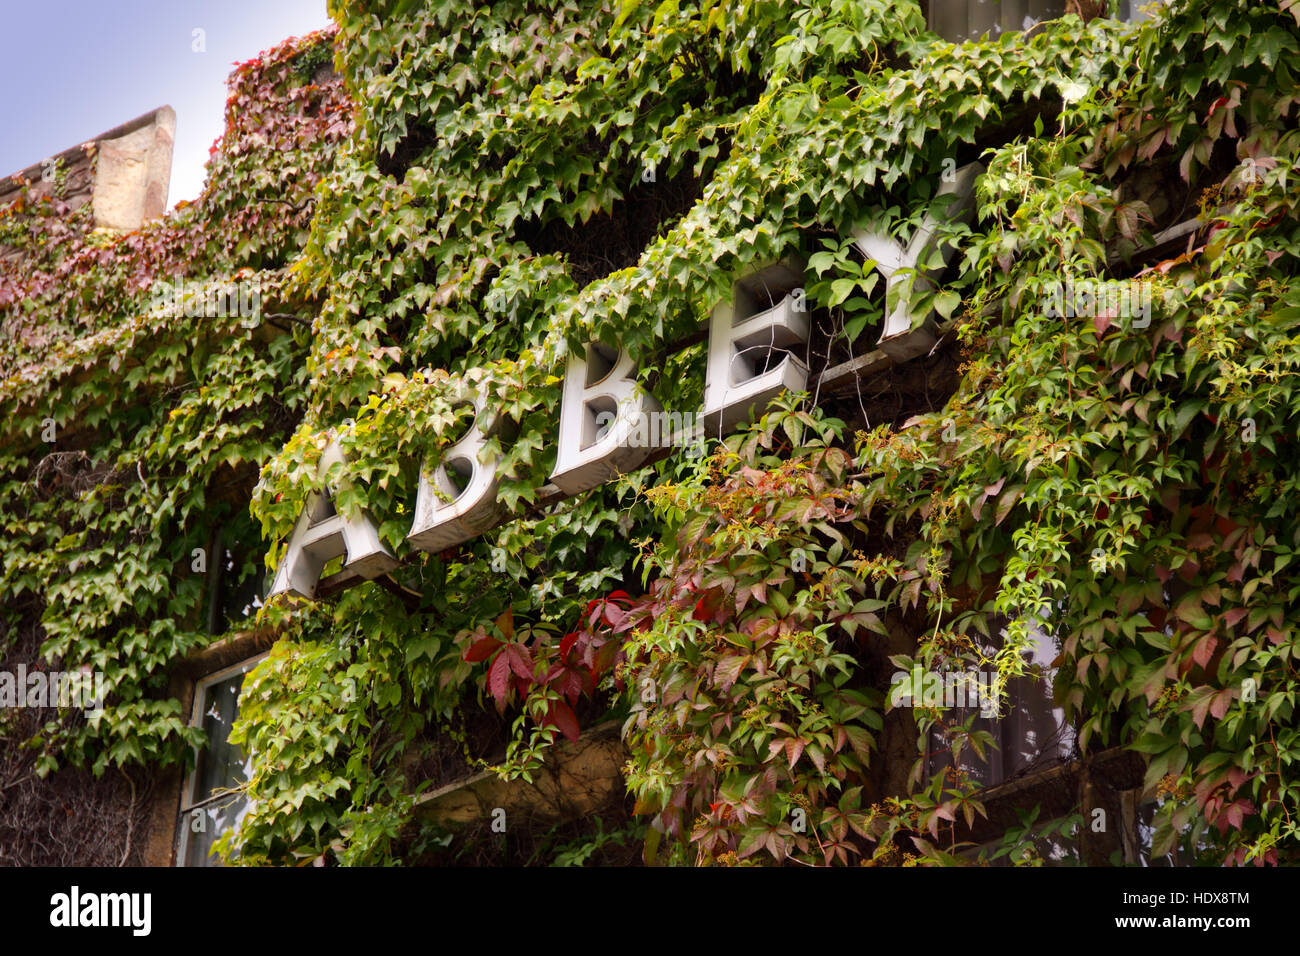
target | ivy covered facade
x=1067, y=480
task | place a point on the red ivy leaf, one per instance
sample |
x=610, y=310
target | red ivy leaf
x=794, y=750
x=1230, y=618
x=1204, y=650
x=481, y=649
x=562, y=716
x=521, y=662
x=497, y=680
x=506, y=622
x=572, y=684
x=727, y=671
x=1220, y=703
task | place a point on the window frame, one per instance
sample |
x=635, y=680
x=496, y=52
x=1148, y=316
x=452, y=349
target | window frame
x=1058, y=748
x=190, y=785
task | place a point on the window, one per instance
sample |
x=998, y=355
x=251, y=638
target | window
x=1031, y=732
x=1191, y=844
x=208, y=806
x=961, y=20
x=1135, y=11
x=235, y=581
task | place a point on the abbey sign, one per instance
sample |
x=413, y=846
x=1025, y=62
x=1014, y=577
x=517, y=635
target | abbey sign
x=604, y=411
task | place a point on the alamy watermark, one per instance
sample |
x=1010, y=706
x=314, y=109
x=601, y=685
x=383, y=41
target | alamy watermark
x=1124, y=300
x=660, y=430
x=36, y=688
x=127, y=910
x=212, y=300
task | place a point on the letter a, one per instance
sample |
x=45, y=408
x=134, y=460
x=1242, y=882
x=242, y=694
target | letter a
x=323, y=534
x=59, y=913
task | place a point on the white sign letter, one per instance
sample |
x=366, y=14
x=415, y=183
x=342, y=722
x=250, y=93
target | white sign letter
x=905, y=335
x=603, y=420
x=747, y=366
x=323, y=534
x=468, y=477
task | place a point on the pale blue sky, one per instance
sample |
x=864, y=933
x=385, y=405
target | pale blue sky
x=72, y=69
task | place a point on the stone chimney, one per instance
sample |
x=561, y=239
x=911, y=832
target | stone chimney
x=131, y=179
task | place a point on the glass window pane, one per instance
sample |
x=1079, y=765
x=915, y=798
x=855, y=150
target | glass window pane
x=1032, y=732
x=221, y=764
x=203, y=825
x=221, y=767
